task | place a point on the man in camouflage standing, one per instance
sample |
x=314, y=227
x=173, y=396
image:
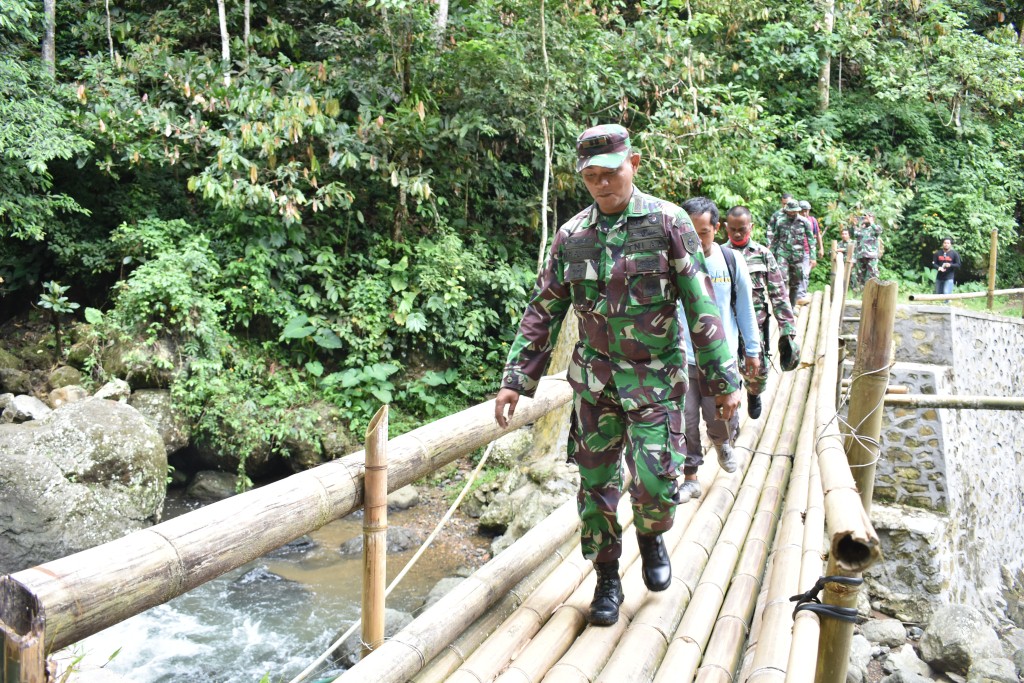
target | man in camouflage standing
x=868, y=235
x=788, y=239
x=623, y=263
x=780, y=212
x=767, y=283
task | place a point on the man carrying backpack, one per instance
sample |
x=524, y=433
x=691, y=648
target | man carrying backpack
x=731, y=283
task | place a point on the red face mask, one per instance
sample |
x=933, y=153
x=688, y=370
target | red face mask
x=739, y=241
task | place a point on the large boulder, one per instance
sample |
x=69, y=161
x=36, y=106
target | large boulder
x=23, y=409
x=85, y=474
x=956, y=637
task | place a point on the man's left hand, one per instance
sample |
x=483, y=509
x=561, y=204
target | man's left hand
x=813, y=263
x=753, y=365
x=727, y=405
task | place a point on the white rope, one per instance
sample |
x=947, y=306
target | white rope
x=405, y=570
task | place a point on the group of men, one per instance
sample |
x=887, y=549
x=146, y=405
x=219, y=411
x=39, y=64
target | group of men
x=664, y=313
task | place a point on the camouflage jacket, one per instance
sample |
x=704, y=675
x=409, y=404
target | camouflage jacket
x=773, y=221
x=867, y=236
x=766, y=282
x=792, y=236
x=624, y=282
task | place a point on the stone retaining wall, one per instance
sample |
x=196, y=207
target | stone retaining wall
x=949, y=485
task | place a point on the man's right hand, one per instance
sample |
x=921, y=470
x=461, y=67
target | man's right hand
x=506, y=397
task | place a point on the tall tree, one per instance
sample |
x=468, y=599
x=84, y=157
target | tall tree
x=49, y=48
x=825, y=56
x=225, y=41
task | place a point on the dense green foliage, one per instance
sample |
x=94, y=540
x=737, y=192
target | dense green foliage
x=351, y=208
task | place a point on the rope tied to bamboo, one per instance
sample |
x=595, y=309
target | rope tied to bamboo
x=810, y=602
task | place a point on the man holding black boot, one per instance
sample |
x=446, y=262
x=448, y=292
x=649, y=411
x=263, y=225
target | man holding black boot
x=623, y=263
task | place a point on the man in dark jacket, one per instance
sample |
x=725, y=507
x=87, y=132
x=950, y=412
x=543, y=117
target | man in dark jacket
x=946, y=261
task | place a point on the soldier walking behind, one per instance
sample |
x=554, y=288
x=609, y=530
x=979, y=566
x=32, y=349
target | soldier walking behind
x=766, y=283
x=623, y=263
x=787, y=240
x=868, y=235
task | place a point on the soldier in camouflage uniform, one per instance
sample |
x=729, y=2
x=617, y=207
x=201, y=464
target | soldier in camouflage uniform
x=767, y=283
x=788, y=239
x=780, y=212
x=844, y=242
x=869, y=243
x=623, y=263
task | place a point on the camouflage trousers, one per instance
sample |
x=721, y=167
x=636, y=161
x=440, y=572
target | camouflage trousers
x=791, y=265
x=651, y=440
x=864, y=270
x=755, y=383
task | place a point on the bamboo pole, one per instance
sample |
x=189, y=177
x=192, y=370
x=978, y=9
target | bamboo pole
x=725, y=647
x=24, y=656
x=956, y=402
x=462, y=647
x=868, y=383
x=375, y=531
x=848, y=271
x=992, y=258
x=406, y=652
x=964, y=295
x=84, y=593
x=800, y=668
x=889, y=389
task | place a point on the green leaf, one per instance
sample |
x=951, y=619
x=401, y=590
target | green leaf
x=315, y=368
x=327, y=339
x=298, y=328
x=93, y=316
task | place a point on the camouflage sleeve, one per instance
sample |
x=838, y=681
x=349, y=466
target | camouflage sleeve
x=778, y=293
x=716, y=361
x=539, y=328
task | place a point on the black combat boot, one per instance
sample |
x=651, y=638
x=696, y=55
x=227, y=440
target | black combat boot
x=604, y=610
x=754, y=406
x=657, y=570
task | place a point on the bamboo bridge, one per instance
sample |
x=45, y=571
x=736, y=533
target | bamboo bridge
x=794, y=511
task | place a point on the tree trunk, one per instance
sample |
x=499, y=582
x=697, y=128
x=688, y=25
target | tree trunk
x=49, y=50
x=547, y=146
x=441, y=22
x=245, y=31
x=825, y=57
x=110, y=37
x=225, y=41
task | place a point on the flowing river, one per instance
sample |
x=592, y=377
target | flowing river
x=272, y=617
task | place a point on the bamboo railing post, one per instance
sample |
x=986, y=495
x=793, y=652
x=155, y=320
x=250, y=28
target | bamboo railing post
x=870, y=377
x=868, y=383
x=375, y=530
x=23, y=656
x=992, y=251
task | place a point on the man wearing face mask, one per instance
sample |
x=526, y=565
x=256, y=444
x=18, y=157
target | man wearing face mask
x=623, y=263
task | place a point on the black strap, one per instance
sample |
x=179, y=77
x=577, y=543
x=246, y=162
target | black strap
x=730, y=262
x=809, y=601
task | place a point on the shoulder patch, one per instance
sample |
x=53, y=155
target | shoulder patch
x=691, y=242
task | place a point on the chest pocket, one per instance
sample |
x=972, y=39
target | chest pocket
x=582, y=258
x=646, y=261
x=758, y=275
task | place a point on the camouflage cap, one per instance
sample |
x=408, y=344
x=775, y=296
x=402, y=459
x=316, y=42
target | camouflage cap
x=606, y=145
x=792, y=205
x=805, y=205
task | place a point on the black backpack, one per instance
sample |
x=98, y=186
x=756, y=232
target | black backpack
x=730, y=262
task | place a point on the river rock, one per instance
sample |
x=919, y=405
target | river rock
x=905, y=659
x=441, y=589
x=905, y=677
x=212, y=485
x=24, y=408
x=404, y=498
x=15, y=381
x=5, y=400
x=149, y=367
x=510, y=449
x=351, y=650
x=64, y=376
x=9, y=360
x=114, y=390
x=956, y=637
x=68, y=394
x=1012, y=641
x=1018, y=661
x=994, y=670
x=888, y=632
x=399, y=539
x=860, y=657
x=85, y=474
x=158, y=407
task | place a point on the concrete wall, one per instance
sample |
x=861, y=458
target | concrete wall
x=949, y=485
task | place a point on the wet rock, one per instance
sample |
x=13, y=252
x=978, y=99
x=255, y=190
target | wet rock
x=956, y=637
x=65, y=395
x=212, y=485
x=350, y=651
x=399, y=539
x=860, y=656
x=994, y=670
x=23, y=409
x=1012, y=641
x=440, y=589
x=158, y=407
x=260, y=588
x=510, y=449
x=64, y=376
x=1018, y=661
x=888, y=632
x=300, y=546
x=404, y=498
x=85, y=474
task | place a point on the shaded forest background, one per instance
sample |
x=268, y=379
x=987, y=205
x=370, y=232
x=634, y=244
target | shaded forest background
x=344, y=201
